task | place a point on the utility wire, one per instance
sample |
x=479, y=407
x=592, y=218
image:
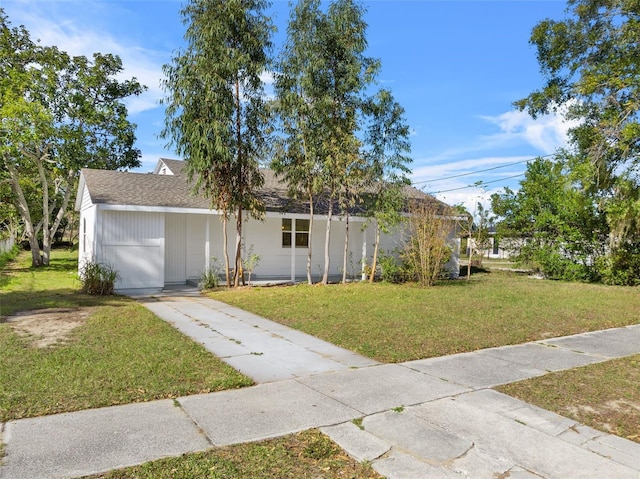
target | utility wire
x=475, y=185
x=480, y=171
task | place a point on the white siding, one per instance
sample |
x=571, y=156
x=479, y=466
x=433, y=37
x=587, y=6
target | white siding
x=175, y=251
x=133, y=244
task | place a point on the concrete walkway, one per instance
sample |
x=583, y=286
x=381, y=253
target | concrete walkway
x=435, y=418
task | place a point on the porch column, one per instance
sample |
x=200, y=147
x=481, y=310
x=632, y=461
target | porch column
x=293, y=251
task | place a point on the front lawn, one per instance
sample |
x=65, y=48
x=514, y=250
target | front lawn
x=78, y=352
x=395, y=323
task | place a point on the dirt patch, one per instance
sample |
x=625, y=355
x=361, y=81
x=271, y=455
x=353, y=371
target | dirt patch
x=48, y=327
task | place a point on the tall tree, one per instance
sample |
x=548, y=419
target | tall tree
x=324, y=75
x=297, y=155
x=216, y=114
x=59, y=114
x=562, y=232
x=591, y=68
x=387, y=155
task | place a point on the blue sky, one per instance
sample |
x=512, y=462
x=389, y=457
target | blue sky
x=455, y=66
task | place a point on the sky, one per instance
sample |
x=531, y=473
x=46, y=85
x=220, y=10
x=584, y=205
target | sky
x=455, y=66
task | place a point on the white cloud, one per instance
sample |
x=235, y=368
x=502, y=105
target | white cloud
x=79, y=38
x=546, y=133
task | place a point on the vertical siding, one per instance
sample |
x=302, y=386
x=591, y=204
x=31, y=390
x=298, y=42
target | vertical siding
x=133, y=244
x=175, y=249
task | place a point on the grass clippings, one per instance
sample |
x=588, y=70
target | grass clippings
x=306, y=455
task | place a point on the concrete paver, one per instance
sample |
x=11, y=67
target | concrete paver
x=262, y=349
x=376, y=389
x=87, y=442
x=263, y=411
x=429, y=418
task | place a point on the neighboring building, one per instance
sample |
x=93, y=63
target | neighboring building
x=155, y=232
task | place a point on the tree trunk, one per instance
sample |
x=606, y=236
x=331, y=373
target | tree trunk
x=23, y=207
x=346, y=251
x=237, y=273
x=325, y=275
x=470, y=255
x=374, y=263
x=309, y=279
x=46, y=232
x=225, y=246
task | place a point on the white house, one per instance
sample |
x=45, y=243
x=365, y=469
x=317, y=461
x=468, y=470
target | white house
x=155, y=232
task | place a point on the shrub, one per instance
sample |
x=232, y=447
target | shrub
x=98, y=278
x=391, y=269
x=210, y=278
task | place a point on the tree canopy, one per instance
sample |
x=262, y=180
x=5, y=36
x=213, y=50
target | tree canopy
x=326, y=151
x=216, y=112
x=590, y=63
x=59, y=114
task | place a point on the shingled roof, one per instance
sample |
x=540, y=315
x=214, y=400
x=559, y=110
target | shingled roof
x=168, y=187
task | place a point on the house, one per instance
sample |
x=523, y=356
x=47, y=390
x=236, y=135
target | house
x=154, y=232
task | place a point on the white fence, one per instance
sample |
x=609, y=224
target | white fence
x=6, y=244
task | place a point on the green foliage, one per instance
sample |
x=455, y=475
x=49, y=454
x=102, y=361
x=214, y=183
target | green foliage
x=591, y=69
x=391, y=268
x=622, y=265
x=556, y=224
x=216, y=115
x=59, y=114
x=98, y=279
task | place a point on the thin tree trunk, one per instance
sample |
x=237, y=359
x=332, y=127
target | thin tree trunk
x=61, y=212
x=238, y=261
x=46, y=232
x=309, y=279
x=374, y=263
x=325, y=275
x=470, y=256
x=346, y=251
x=225, y=245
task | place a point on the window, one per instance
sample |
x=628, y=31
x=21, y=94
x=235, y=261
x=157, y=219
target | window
x=302, y=233
x=298, y=230
x=495, y=246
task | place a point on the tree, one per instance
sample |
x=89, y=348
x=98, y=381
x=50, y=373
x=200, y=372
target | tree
x=59, y=114
x=216, y=113
x=387, y=139
x=475, y=228
x=323, y=76
x=591, y=68
x=563, y=233
x=297, y=154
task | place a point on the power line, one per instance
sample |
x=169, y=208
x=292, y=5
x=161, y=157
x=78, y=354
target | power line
x=475, y=185
x=480, y=171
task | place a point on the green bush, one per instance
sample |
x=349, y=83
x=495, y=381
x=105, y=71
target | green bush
x=622, y=266
x=98, y=278
x=391, y=269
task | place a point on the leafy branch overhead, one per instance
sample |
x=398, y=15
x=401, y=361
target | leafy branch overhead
x=59, y=114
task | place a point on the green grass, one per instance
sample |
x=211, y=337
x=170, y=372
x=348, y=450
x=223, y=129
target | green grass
x=309, y=454
x=605, y=396
x=121, y=354
x=394, y=323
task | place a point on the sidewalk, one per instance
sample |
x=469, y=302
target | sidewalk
x=434, y=418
